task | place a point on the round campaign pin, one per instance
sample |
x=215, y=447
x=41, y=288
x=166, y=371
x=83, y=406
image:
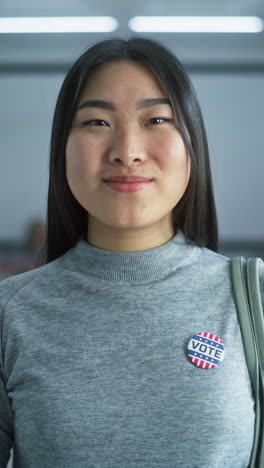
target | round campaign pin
x=206, y=350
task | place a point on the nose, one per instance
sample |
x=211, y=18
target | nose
x=127, y=148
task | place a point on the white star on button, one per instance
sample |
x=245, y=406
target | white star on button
x=206, y=350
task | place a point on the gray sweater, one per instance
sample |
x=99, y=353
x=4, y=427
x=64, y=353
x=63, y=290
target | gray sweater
x=94, y=370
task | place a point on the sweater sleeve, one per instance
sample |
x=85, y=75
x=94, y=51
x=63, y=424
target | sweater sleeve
x=6, y=417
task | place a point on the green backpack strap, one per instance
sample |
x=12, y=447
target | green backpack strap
x=245, y=282
x=258, y=325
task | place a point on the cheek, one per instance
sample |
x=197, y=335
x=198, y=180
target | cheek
x=78, y=164
x=178, y=166
x=177, y=155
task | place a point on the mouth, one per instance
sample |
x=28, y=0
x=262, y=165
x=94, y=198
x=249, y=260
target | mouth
x=128, y=186
x=128, y=179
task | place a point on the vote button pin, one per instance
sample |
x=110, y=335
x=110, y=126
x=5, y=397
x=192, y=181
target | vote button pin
x=206, y=350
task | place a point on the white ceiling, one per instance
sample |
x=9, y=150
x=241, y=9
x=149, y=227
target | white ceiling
x=192, y=48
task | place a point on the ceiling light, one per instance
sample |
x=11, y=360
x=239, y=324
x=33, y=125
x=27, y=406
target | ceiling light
x=196, y=24
x=76, y=24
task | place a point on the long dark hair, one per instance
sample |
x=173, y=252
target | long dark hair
x=195, y=214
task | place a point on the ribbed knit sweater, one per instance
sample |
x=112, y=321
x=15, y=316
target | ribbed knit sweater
x=94, y=370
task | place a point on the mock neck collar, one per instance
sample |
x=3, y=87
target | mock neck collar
x=131, y=266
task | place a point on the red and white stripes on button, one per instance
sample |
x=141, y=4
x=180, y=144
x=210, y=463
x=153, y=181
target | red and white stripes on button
x=206, y=350
x=211, y=336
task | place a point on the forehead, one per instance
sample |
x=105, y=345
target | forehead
x=122, y=78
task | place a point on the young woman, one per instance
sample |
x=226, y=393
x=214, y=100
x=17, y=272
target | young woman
x=124, y=349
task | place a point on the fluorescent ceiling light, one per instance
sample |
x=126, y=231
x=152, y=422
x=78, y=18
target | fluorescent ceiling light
x=76, y=24
x=194, y=24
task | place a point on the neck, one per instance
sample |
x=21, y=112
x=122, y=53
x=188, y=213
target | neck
x=128, y=240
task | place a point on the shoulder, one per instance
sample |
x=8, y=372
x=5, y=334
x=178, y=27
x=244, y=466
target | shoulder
x=220, y=264
x=211, y=257
x=29, y=281
x=214, y=263
x=217, y=267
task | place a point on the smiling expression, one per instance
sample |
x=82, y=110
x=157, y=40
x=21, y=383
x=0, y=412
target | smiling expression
x=124, y=124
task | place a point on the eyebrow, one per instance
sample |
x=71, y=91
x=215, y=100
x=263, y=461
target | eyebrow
x=110, y=106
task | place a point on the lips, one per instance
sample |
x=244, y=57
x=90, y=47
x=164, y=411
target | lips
x=128, y=179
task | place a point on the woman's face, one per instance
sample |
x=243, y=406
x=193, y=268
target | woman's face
x=126, y=132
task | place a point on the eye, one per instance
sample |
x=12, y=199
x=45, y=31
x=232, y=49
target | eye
x=158, y=120
x=95, y=122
